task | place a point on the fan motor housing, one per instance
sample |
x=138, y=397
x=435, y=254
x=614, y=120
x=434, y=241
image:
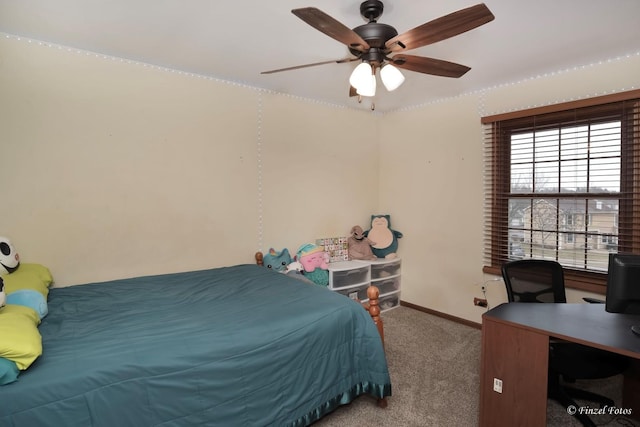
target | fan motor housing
x=375, y=34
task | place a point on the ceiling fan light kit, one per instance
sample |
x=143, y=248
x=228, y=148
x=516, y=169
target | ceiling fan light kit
x=363, y=78
x=373, y=43
x=361, y=75
x=391, y=77
x=368, y=89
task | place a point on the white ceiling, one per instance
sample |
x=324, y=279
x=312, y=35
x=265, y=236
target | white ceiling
x=235, y=40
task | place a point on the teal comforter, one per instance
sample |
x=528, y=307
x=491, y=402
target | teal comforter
x=234, y=346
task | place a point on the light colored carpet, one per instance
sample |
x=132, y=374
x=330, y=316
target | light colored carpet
x=435, y=374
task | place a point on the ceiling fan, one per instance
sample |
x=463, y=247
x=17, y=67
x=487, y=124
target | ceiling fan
x=373, y=43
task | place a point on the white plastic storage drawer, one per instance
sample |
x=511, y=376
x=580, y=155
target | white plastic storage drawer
x=381, y=270
x=348, y=273
x=388, y=285
x=390, y=301
x=355, y=292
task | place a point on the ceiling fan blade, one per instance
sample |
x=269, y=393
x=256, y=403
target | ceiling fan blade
x=328, y=25
x=352, y=91
x=422, y=64
x=442, y=28
x=337, y=61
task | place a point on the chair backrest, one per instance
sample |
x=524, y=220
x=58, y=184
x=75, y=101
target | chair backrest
x=534, y=280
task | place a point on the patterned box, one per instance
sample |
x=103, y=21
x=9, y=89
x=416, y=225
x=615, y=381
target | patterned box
x=337, y=248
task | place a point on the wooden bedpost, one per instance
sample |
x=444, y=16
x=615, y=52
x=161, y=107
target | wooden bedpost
x=373, y=293
x=259, y=259
x=374, y=309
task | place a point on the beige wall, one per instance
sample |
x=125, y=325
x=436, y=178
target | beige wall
x=112, y=169
x=319, y=171
x=436, y=159
x=431, y=181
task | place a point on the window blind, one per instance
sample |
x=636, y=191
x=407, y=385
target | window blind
x=563, y=183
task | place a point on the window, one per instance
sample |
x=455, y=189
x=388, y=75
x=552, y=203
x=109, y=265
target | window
x=563, y=183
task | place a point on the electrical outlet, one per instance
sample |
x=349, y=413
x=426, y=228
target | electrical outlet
x=480, y=302
x=497, y=385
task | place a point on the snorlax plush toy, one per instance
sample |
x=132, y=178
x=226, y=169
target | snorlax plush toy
x=314, y=261
x=9, y=258
x=386, y=239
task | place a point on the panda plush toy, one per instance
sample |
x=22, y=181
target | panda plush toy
x=9, y=258
x=3, y=297
x=9, y=262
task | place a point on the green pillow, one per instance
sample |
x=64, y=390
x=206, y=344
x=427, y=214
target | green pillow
x=8, y=371
x=21, y=341
x=28, y=276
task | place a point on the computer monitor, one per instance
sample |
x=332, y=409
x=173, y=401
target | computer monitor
x=623, y=284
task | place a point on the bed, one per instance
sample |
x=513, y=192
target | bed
x=239, y=345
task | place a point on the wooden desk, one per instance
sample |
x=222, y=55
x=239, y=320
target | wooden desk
x=515, y=349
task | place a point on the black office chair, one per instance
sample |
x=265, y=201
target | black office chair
x=542, y=281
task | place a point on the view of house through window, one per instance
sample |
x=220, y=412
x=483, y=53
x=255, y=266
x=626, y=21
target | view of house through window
x=562, y=182
x=565, y=186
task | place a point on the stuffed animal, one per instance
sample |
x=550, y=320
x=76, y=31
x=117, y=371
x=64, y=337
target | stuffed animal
x=315, y=261
x=360, y=245
x=294, y=267
x=9, y=258
x=296, y=270
x=3, y=297
x=9, y=263
x=277, y=261
x=283, y=263
x=386, y=239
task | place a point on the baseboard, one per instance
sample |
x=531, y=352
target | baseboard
x=443, y=315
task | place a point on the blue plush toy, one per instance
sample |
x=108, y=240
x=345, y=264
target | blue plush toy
x=283, y=263
x=386, y=239
x=277, y=261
